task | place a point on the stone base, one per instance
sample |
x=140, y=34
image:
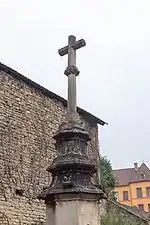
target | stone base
x=73, y=209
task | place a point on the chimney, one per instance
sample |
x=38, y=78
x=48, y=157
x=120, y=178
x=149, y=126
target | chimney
x=136, y=166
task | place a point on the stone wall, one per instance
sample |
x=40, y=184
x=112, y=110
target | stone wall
x=115, y=212
x=28, y=121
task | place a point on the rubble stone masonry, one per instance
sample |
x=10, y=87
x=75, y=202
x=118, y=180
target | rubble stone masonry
x=28, y=121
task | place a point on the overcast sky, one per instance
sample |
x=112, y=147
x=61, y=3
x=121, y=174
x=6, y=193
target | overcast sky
x=114, y=82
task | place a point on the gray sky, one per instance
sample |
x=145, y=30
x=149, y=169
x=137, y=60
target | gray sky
x=114, y=83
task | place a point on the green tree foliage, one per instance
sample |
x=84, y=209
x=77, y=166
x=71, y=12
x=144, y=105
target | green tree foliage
x=106, y=176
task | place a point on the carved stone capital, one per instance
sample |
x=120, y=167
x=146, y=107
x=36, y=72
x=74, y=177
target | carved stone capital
x=71, y=70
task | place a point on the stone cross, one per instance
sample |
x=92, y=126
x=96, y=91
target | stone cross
x=72, y=170
x=72, y=71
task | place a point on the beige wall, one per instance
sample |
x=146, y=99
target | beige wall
x=28, y=120
x=145, y=200
x=120, y=191
x=132, y=193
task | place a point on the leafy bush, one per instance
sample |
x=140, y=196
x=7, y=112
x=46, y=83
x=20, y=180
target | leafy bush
x=107, y=177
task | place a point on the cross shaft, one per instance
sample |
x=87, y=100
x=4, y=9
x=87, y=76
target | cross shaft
x=72, y=71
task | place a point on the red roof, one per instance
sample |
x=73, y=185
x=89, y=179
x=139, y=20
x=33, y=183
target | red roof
x=132, y=175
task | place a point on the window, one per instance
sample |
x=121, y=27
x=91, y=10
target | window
x=116, y=196
x=125, y=196
x=141, y=207
x=142, y=176
x=149, y=207
x=148, y=191
x=139, y=192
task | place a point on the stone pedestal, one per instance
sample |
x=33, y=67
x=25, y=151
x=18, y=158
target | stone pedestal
x=73, y=209
x=72, y=198
x=50, y=213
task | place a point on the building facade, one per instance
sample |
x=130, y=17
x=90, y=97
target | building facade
x=133, y=186
x=30, y=115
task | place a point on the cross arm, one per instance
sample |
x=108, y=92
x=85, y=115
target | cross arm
x=79, y=44
x=63, y=51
